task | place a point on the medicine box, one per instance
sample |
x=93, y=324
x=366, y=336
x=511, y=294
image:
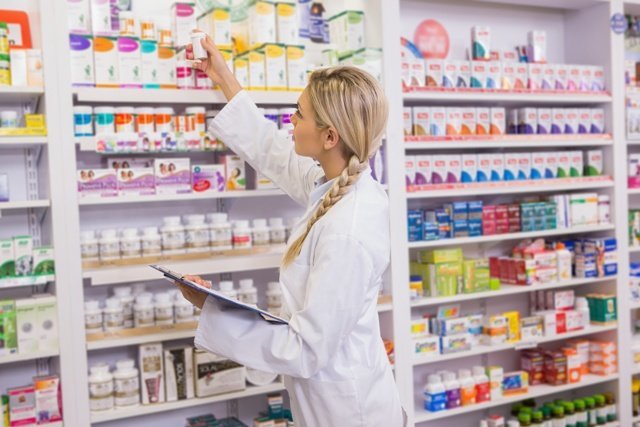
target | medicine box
x=79, y=17
x=18, y=66
x=136, y=182
x=594, y=163
x=217, y=23
x=4, y=187
x=167, y=77
x=576, y=163
x=46, y=322
x=347, y=31
x=450, y=75
x=105, y=55
x=438, y=121
x=149, y=64
x=521, y=76
x=129, y=62
x=215, y=374
x=497, y=121
x=23, y=255
x=455, y=343
x=7, y=259
x=571, y=120
x=178, y=365
x=484, y=167
x=235, y=173
x=421, y=122
x=257, y=70
x=172, y=175
x=454, y=121
x=515, y=383
x=208, y=178
x=296, y=68
x=410, y=170
x=81, y=60
x=407, y=120
x=426, y=345
x=183, y=21
x=439, y=171
x=22, y=406
x=557, y=120
x=524, y=166
x=287, y=24
x=544, y=121
x=562, y=76
x=508, y=75
x=494, y=75
x=454, y=169
x=434, y=72
x=497, y=166
x=510, y=167
x=152, y=380
x=563, y=164
x=527, y=121
x=548, y=76
x=417, y=72
x=478, y=74
x=27, y=325
x=483, y=121
x=481, y=43
x=496, y=377
x=468, y=122
x=536, y=77
x=584, y=120
x=423, y=170
x=43, y=261
x=597, y=121
x=464, y=74
x=537, y=48
x=8, y=332
x=469, y=168
x=550, y=165
x=275, y=64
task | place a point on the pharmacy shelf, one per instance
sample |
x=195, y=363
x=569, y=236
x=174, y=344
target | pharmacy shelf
x=421, y=415
x=635, y=370
x=506, y=290
x=170, y=333
x=510, y=187
x=26, y=204
x=137, y=411
x=486, y=349
x=634, y=249
x=634, y=305
x=633, y=190
x=203, y=266
x=161, y=198
x=633, y=142
x=554, y=4
x=178, y=96
x=17, y=282
x=19, y=95
x=22, y=141
x=497, y=97
x=413, y=143
x=88, y=144
x=508, y=236
x=16, y=358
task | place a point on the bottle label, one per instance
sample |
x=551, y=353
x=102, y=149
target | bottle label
x=434, y=402
x=468, y=396
x=453, y=398
x=483, y=392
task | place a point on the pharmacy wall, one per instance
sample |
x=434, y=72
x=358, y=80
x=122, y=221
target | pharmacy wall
x=510, y=162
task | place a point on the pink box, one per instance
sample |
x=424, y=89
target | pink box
x=207, y=178
x=97, y=183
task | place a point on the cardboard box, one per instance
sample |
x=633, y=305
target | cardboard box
x=27, y=325
x=7, y=259
x=434, y=72
x=215, y=374
x=129, y=62
x=105, y=56
x=438, y=123
x=8, y=332
x=151, y=363
x=183, y=21
x=179, y=375
x=235, y=172
x=23, y=255
x=421, y=120
x=81, y=60
x=172, y=176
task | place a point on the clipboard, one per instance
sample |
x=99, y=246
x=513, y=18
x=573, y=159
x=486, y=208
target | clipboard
x=224, y=300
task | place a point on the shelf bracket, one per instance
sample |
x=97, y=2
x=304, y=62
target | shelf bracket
x=232, y=408
x=43, y=366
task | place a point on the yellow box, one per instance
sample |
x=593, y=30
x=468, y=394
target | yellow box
x=275, y=64
x=296, y=68
x=217, y=23
x=513, y=326
x=241, y=69
x=34, y=121
x=257, y=70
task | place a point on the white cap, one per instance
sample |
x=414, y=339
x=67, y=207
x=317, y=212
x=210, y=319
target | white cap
x=144, y=298
x=484, y=423
x=449, y=376
x=150, y=231
x=479, y=370
x=193, y=219
x=163, y=298
x=125, y=364
x=196, y=110
x=581, y=302
x=99, y=368
x=104, y=110
x=276, y=222
x=81, y=109
x=144, y=110
x=109, y=234
x=171, y=220
x=433, y=379
x=163, y=110
x=464, y=373
x=139, y=288
x=87, y=235
x=91, y=305
x=114, y=303
x=273, y=286
x=129, y=233
x=125, y=110
x=217, y=217
x=122, y=291
x=241, y=224
x=246, y=284
x=226, y=285
x=260, y=223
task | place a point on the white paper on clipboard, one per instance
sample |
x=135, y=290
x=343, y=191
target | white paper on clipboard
x=229, y=302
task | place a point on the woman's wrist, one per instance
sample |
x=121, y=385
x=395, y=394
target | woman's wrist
x=228, y=84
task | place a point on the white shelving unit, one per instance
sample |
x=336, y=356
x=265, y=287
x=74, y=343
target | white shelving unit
x=23, y=141
x=160, y=198
x=14, y=358
x=482, y=97
x=27, y=204
x=21, y=95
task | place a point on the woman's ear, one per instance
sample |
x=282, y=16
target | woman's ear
x=331, y=138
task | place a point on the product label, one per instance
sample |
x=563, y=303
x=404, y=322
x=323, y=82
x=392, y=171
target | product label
x=453, y=398
x=434, y=402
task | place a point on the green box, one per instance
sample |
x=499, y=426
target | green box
x=438, y=256
x=603, y=309
x=7, y=259
x=445, y=279
x=43, y=263
x=8, y=335
x=23, y=255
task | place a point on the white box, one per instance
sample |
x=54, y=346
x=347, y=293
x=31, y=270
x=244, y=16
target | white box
x=527, y=121
x=537, y=165
x=417, y=72
x=524, y=166
x=544, y=121
x=43, y=260
x=101, y=16
x=497, y=167
x=151, y=373
x=438, y=121
x=129, y=62
x=558, y=120
x=479, y=74
x=23, y=253
x=551, y=164
x=27, y=325
x=454, y=121
x=81, y=60
x=183, y=21
x=79, y=16
x=421, y=121
x=594, y=164
x=172, y=176
x=537, y=46
x=47, y=322
x=296, y=68
x=217, y=23
x=105, y=58
x=18, y=61
x=536, y=77
x=439, y=169
x=583, y=209
x=464, y=74
x=423, y=170
x=410, y=170
x=287, y=23
x=347, y=31
x=510, y=166
x=483, y=121
x=469, y=168
x=434, y=69
x=484, y=168
x=407, y=120
x=454, y=169
x=564, y=164
x=257, y=71
x=584, y=120
x=35, y=76
x=498, y=121
x=178, y=365
x=549, y=322
x=494, y=75
x=167, y=67
x=149, y=63
x=275, y=63
x=597, y=121
x=136, y=182
x=262, y=23
x=450, y=75
x=215, y=374
x=469, y=120
x=576, y=167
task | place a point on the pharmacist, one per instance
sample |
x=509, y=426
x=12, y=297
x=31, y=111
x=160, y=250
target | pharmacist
x=331, y=354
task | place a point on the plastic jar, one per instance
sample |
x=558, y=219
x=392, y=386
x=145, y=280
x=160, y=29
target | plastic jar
x=89, y=245
x=274, y=297
x=197, y=234
x=143, y=311
x=291, y=225
x=138, y=288
x=147, y=29
x=220, y=234
x=260, y=378
x=199, y=52
x=151, y=242
x=100, y=388
x=113, y=316
x=184, y=75
x=105, y=120
x=183, y=309
x=173, y=238
x=130, y=246
x=248, y=293
x=260, y=232
x=277, y=231
x=9, y=119
x=163, y=309
x=272, y=114
x=109, y=244
x=197, y=116
x=126, y=383
x=144, y=119
x=227, y=289
x=285, y=118
x=163, y=118
x=92, y=317
x=82, y=121
x=242, y=235
x=123, y=293
x=124, y=119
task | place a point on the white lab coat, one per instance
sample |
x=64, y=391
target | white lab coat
x=331, y=354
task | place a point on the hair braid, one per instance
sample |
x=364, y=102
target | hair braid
x=348, y=177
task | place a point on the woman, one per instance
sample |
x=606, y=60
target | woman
x=331, y=355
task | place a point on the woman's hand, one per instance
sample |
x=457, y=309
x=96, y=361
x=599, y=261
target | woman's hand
x=215, y=67
x=194, y=297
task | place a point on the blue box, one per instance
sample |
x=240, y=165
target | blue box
x=414, y=223
x=430, y=231
x=475, y=227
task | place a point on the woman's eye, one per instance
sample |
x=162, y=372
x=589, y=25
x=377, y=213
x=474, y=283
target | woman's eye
x=298, y=114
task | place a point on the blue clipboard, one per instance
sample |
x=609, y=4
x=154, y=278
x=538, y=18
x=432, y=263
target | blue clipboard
x=226, y=301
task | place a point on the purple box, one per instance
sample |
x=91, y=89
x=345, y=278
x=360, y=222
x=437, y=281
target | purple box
x=97, y=183
x=206, y=178
x=136, y=182
x=173, y=176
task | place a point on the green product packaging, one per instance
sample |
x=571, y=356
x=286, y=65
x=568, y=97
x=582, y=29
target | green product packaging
x=43, y=263
x=602, y=308
x=4, y=410
x=443, y=279
x=476, y=275
x=23, y=254
x=422, y=270
x=7, y=259
x=8, y=335
x=441, y=255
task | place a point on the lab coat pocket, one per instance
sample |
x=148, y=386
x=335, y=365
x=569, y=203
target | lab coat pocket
x=335, y=402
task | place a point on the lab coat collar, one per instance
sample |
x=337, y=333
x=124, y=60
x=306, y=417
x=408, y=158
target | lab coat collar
x=322, y=186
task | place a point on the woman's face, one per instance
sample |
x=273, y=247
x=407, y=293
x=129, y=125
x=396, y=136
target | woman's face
x=307, y=137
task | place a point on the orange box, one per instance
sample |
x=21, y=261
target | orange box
x=574, y=370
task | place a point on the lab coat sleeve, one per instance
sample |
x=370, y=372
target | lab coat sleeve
x=242, y=127
x=339, y=280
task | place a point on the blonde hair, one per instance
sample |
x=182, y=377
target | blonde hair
x=353, y=102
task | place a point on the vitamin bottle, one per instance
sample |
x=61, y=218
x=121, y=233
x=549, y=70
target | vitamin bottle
x=274, y=297
x=89, y=246
x=435, y=397
x=197, y=116
x=105, y=120
x=92, y=317
x=467, y=387
x=524, y=419
x=124, y=119
x=558, y=417
x=144, y=119
x=123, y=293
x=183, y=309
x=569, y=413
x=143, y=311
x=590, y=404
x=130, y=246
x=113, y=318
x=452, y=388
x=483, y=391
x=537, y=419
x=163, y=119
x=196, y=233
x=100, y=388
x=260, y=232
x=220, y=233
x=126, y=383
x=242, y=235
x=601, y=410
x=277, y=231
x=612, y=411
x=173, y=238
x=163, y=309
x=581, y=413
x=109, y=245
x=151, y=242
x=227, y=289
x=248, y=293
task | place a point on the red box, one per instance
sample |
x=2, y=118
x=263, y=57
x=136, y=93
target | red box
x=488, y=228
x=494, y=267
x=488, y=213
x=520, y=267
x=532, y=362
x=561, y=322
x=504, y=270
x=514, y=211
x=502, y=227
x=502, y=212
x=555, y=367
